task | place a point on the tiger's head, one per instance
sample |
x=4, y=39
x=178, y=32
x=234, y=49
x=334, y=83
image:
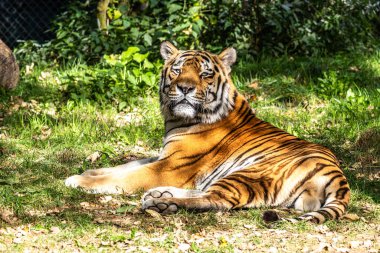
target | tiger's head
x=196, y=85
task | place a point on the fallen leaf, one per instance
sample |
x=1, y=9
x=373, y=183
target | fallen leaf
x=84, y=204
x=154, y=214
x=200, y=240
x=29, y=69
x=350, y=217
x=45, y=131
x=105, y=199
x=105, y=243
x=355, y=244
x=126, y=119
x=125, y=209
x=94, y=156
x=90, y=206
x=44, y=75
x=254, y=85
x=354, y=69
x=8, y=216
x=367, y=243
x=20, y=234
x=117, y=220
x=17, y=240
x=132, y=203
x=131, y=249
x=37, y=213
x=251, y=98
x=122, y=245
x=55, y=230
x=44, y=134
x=322, y=247
x=3, y=247
x=184, y=246
x=273, y=250
x=323, y=229
x=249, y=226
x=145, y=249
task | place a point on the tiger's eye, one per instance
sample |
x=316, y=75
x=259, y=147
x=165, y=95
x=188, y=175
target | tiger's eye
x=176, y=71
x=206, y=75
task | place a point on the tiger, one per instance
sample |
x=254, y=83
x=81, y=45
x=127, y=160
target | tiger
x=217, y=155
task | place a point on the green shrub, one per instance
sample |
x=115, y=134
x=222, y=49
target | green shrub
x=118, y=79
x=311, y=27
x=272, y=27
x=78, y=37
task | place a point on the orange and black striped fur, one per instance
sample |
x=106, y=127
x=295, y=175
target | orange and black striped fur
x=217, y=155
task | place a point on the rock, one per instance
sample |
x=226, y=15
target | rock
x=9, y=70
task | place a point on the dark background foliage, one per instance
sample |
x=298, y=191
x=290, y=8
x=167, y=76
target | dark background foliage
x=117, y=64
x=269, y=27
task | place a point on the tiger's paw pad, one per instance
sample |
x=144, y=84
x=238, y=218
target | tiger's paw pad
x=159, y=205
x=159, y=192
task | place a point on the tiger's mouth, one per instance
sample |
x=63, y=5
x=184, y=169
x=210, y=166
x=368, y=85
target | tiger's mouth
x=184, y=108
x=185, y=102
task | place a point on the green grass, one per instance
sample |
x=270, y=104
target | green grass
x=46, y=137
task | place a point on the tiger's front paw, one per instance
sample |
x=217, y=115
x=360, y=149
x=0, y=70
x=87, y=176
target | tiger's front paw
x=159, y=200
x=170, y=192
x=160, y=205
x=168, y=199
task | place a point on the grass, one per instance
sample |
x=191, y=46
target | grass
x=46, y=137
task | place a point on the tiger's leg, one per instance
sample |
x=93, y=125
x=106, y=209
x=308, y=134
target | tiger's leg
x=168, y=205
x=114, y=182
x=132, y=164
x=225, y=194
x=126, y=181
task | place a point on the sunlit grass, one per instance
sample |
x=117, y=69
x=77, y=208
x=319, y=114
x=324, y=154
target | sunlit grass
x=333, y=101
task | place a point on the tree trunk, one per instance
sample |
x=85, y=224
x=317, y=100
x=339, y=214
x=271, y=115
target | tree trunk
x=102, y=15
x=9, y=70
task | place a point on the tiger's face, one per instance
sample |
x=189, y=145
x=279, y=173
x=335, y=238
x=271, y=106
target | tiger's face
x=195, y=85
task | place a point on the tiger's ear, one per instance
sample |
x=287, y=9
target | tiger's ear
x=167, y=49
x=228, y=57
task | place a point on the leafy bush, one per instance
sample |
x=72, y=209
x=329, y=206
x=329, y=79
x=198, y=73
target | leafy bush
x=78, y=37
x=254, y=27
x=310, y=27
x=356, y=105
x=115, y=67
x=119, y=79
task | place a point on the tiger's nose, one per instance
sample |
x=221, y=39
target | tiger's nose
x=185, y=88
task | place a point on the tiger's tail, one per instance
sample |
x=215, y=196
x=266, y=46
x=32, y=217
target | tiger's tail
x=336, y=202
x=334, y=207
